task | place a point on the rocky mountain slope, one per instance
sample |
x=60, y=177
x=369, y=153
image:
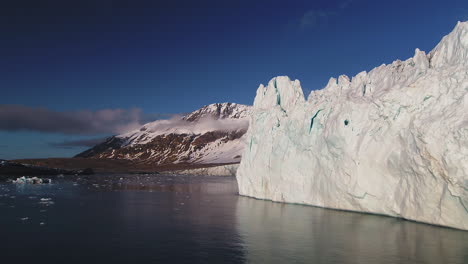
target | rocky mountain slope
x=392, y=141
x=210, y=135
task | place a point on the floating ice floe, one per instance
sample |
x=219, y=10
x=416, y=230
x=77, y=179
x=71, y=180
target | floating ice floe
x=32, y=180
x=46, y=201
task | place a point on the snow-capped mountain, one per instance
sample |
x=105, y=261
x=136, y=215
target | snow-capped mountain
x=392, y=141
x=210, y=135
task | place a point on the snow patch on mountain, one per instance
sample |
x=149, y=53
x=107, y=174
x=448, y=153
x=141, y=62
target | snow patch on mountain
x=179, y=125
x=210, y=135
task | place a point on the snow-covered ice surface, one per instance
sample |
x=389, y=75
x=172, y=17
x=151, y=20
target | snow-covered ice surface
x=393, y=141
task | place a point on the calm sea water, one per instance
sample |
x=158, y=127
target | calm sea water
x=188, y=219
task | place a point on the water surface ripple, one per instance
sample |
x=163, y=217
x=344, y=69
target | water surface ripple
x=189, y=219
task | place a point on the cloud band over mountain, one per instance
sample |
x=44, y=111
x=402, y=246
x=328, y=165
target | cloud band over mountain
x=84, y=122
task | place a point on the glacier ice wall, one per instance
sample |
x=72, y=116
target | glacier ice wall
x=393, y=141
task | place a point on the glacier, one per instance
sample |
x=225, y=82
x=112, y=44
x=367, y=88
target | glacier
x=392, y=141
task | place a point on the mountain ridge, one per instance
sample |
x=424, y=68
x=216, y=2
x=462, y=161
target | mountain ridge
x=209, y=135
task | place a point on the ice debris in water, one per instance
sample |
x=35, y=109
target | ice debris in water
x=32, y=180
x=46, y=201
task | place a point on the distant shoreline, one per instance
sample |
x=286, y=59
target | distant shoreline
x=111, y=165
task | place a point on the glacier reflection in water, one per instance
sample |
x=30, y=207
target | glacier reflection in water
x=284, y=233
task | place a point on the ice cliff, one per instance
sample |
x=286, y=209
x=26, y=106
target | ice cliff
x=392, y=141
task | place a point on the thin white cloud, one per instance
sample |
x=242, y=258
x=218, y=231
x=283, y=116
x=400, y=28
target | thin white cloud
x=344, y=4
x=178, y=125
x=316, y=17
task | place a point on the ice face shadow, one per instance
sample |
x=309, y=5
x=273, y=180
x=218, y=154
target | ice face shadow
x=284, y=233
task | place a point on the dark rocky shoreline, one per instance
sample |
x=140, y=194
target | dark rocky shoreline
x=9, y=169
x=77, y=166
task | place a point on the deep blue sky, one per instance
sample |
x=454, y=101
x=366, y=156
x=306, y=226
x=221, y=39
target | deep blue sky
x=176, y=56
